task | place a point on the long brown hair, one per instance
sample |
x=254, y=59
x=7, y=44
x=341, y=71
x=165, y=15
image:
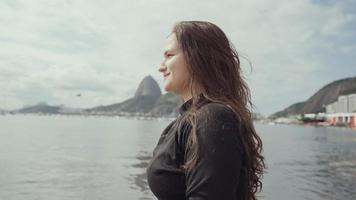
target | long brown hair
x=214, y=66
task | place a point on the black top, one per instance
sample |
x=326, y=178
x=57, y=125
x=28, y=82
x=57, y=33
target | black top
x=217, y=174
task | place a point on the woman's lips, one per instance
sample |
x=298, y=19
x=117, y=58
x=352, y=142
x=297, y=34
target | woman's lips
x=165, y=75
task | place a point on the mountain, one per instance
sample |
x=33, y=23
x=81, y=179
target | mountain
x=3, y=112
x=148, y=87
x=148, y=99
x=42, y=108
x=316, y=103
x=167, y=104
x=140, y=104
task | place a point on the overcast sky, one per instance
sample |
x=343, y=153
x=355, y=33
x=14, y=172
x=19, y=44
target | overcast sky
x=52, y=50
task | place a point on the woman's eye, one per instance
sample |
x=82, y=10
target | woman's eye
x=169, y=55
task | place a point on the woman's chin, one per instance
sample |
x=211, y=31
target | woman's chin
x=167, y=87
x=167, y=90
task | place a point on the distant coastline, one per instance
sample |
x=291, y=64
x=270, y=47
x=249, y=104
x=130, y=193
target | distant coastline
x=333, y=105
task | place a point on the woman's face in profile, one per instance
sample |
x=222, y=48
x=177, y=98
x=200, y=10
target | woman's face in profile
x=174, y=68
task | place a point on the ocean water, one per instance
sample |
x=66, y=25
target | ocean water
x=67, y=158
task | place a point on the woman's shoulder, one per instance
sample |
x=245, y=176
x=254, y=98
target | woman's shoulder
x=214, y=114
x=216, y=109
x=218, y=125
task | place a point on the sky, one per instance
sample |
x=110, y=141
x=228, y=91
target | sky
x=50, y=51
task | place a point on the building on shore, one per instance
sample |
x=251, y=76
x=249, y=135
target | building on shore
x=342, y=119
x=343, y=111
x=352, y=103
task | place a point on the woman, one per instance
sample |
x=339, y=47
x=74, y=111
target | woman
x=211, y=151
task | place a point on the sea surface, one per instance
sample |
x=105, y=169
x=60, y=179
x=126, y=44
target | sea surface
x=104, y=158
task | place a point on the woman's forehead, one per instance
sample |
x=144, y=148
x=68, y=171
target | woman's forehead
x=171, y=43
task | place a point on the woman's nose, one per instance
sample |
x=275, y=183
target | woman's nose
x=162, y=68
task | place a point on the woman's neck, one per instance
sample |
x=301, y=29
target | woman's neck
x=188, y=94
x=186, y=97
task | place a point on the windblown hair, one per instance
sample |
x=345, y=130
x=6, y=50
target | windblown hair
x=214, y=67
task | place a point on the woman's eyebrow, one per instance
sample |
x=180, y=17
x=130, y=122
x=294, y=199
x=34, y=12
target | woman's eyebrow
x=173, y=50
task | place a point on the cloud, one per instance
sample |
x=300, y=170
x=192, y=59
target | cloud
x=52, y=50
